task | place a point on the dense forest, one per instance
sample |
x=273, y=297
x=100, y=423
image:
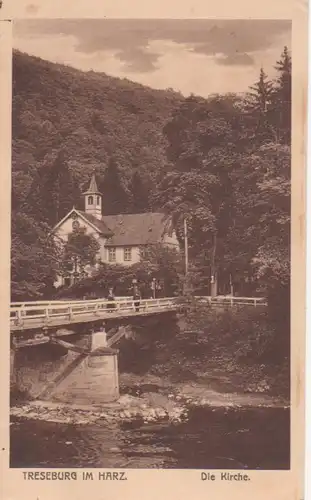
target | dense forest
x=223, y=163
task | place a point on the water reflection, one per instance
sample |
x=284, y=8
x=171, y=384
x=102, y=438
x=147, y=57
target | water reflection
x=217, y=438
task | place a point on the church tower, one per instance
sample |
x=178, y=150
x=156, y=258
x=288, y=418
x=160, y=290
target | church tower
x=93, y=200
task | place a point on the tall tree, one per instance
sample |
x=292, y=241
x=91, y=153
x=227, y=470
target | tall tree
x=79, y=251
x=282, y=97
x=163, y=265
x=61, y=190
x=54, y=191
x=115, y=199
x=139, y=194
x=204, y=140
x=259, y=108
x=34, y=258
x=273, y=206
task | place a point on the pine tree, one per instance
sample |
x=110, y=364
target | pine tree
x=60, y=189
x=54, y=191
x=139, y=195
x=259, y=107
x=282, y=97
x=114, y=195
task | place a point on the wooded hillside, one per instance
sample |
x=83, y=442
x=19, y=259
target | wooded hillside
x=223, y=163
x=89, y=116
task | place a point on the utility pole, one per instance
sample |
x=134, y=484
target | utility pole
x=231, y=285
x=213, y=268
x=186, y=246
x=186, y=256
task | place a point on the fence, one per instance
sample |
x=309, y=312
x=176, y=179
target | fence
x=230, y=300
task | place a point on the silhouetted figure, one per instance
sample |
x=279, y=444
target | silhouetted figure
x=111, y=299
x=136, y=297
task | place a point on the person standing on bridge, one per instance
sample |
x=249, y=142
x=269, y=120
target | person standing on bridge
x=136, y=297
x=111, y=299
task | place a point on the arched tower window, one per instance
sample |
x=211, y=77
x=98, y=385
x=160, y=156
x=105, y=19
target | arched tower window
x=90, y=200
x=98, y=200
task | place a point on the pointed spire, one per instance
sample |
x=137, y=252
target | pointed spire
x=93, y=199
x=93, y=186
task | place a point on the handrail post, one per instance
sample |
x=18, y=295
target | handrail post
x=47, y=316
x=19, y=317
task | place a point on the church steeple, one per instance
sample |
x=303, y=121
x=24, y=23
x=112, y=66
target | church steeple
x=93, y=199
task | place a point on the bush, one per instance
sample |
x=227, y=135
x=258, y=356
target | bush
x=244, y=334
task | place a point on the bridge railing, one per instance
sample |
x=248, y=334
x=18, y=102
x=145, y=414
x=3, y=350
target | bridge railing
x=43, y=313
x=63, y=301
x=231, y=300
x=69, y=311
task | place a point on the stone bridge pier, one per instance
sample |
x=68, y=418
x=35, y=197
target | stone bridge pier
x=79, y=367
x=83, y=370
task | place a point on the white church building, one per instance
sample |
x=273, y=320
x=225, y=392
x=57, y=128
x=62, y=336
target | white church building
x=123, y=237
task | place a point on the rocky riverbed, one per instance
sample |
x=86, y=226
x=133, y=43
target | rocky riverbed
x=155, y=424
x=151, y=401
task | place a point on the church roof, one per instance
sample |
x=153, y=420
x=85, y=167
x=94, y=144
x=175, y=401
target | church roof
x=128, y=229
x=136, y=229
x=98, y=223
x=93, y=189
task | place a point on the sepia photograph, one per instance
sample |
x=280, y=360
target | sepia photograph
x=151, y=245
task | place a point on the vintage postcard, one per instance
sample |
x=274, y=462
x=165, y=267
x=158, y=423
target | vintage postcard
x=153, y=249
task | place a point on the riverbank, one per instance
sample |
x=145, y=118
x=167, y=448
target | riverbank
x=234, y=351
x=149, y=399
x=189, y=398
x=224, y=362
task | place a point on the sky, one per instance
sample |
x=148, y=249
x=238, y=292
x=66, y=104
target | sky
x=191, y=56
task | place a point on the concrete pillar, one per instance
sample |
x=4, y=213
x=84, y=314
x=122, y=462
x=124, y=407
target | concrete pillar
x=99, y=339
x=103, y=375
x=95, y=380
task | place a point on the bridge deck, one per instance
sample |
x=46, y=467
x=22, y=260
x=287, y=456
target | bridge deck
x=36, y=315
x=30, y=316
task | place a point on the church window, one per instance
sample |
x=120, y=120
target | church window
x=90, y=200
x=75, y=225
x=127, y=254
x=112, y=254
x=98, y=200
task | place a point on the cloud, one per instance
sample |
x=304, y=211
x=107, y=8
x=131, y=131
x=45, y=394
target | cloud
x=235, y=40
x=237, y=58
x=192, y=56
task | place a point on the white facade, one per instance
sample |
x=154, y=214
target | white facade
x=92, y=220
x=126, y=256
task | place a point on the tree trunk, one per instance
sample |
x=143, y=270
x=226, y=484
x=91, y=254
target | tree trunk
x=213, y=268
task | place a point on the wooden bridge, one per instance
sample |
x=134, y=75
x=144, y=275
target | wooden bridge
x=45, y=314
x=88, y=372
x=35, y=315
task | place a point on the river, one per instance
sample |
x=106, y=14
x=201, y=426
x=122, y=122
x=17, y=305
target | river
x=210, y=438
